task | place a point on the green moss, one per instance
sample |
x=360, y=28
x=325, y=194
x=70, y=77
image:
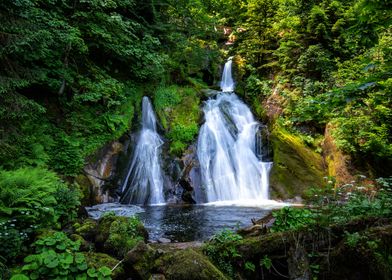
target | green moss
x=141, y=259
x=117, y=235
x=98, y=260
x=87, y=229
x=179, y=112
x=296, y=167
x=84, y=186
x=187, y=264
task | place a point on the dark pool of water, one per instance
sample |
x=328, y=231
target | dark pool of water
x=195, y=222
x=184, y=223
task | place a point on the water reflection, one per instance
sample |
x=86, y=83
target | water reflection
x=195, y=222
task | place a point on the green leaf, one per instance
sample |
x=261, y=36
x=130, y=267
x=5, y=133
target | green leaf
x=68, y=259
x=105, y=271
x=34, y=275
x=19, y=277
x=79, y=258
x=82, y=266
x=30, y=258
x=91, y=272
x=81, y=277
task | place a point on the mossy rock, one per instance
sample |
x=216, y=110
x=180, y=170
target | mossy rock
x=296, y=167
x=84, y=245
x=98, y=260
x=140, y=260
x=87, y=229
x=338, y=163
x=187, y=264
x=117, y=235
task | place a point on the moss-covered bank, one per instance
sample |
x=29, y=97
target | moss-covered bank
x=296, y=166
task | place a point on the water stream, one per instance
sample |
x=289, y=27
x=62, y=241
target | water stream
x=231, y=168
x=144, y=181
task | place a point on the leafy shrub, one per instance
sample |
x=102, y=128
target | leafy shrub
x=31, y=199
x=66, y=157
x=355, y=200
x=123, y=235
x=289, y=218
x=316, y=62
x=222, y=251
x=58, y=257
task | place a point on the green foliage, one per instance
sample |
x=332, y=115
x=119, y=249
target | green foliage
x=250, y=266
x=352, y=239
x=289, y=218
x=123, y=235
x=355, y=200
x=330, y=61
x=178, y=111
x=222, y=251
x=266, y=262
x=58, y=257
x=32, y=199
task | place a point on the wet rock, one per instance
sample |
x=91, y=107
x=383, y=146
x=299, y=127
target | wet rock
x=100, y=172
x=210, y=92
x=164, y=240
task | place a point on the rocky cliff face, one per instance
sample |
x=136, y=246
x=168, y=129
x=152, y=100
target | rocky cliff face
x=98, y=181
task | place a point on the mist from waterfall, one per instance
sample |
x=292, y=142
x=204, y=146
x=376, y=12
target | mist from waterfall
x=231, y=168
x=143, y=183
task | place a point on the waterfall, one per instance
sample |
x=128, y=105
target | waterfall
x=144, y=181
x=227, y=149
x=227, y=83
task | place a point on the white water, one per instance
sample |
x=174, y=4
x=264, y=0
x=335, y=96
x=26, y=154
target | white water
x=227, y=83
x=144, y=181
x=230, y=168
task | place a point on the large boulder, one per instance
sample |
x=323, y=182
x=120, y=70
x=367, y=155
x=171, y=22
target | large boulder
x=187, y=264
x=296, y=167
x=117, y=235
x=139, y=261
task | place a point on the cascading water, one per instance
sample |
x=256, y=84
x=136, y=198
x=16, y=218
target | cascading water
x=227, y=83
x=231, y=168
x=144, y=181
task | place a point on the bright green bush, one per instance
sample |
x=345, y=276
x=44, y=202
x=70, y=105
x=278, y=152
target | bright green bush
x=32, y=199
x=289, y=218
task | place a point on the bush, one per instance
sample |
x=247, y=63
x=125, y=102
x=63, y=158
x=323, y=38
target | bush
x=31, y=199
x=289, y=218
x=58, y=257
x=123, y=235
x=222, y=251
